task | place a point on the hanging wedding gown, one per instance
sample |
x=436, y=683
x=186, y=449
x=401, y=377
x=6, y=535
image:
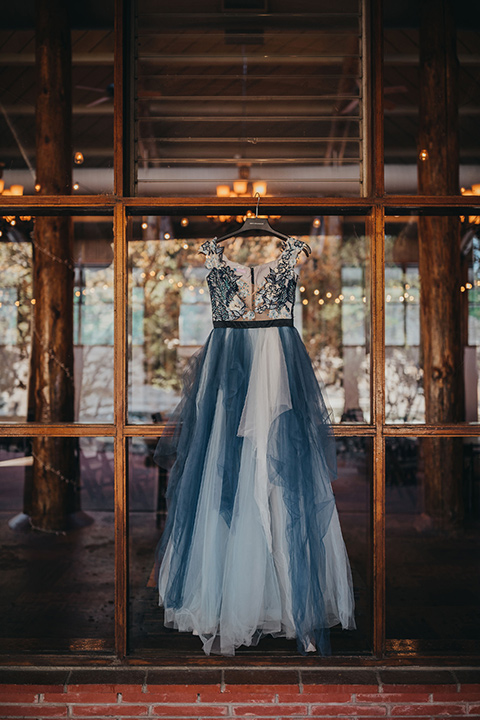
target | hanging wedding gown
x=252, y=544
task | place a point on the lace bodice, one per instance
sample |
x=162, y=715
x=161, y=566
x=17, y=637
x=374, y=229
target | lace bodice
x=255, y=293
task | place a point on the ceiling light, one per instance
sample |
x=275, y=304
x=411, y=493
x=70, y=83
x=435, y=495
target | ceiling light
x=259, y=187
x=240, y=187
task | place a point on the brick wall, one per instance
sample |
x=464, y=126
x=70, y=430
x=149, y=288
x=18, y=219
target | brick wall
x=442, y=695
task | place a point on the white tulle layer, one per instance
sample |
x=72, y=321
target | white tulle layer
x=237, y=585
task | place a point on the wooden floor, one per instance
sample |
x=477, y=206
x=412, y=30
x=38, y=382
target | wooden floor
x=57, y=589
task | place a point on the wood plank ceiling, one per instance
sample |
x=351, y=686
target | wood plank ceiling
x=274, y=93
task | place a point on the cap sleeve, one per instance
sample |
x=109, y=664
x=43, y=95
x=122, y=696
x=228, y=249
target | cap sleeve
x=293, y=248
x=212, y=252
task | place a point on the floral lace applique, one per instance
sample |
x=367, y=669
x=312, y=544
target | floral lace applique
x=225, y=294
x=213, y=254
x=275, y=296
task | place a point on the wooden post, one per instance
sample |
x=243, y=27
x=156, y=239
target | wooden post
x=53, y=479
x=440, y=261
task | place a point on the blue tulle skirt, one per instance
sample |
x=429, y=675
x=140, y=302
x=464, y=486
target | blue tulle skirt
x=252, y=543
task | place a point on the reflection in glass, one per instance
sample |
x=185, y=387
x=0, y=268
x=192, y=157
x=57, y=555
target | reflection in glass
x=403, y=90
x=57, y=589
x=170, y=314
x=232, y=101
x=432, y=560
x=84, y=360
x=432, y=364
x=148, y=509
x=91, y=111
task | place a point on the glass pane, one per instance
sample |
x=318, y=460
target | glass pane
x=433, y=543
x=148, y=510
x=90, y=153
x=56, y=319
x=432, y=330
x=246, y=95
x=57, y=544
x=407, y=93
x=170, y=312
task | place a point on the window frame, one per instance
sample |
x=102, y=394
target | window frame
x=374, y=205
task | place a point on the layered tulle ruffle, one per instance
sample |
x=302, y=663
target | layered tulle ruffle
x=252, y=543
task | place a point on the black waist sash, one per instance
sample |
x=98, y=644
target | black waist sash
x=282, y=322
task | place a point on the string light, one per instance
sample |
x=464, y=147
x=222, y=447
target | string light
x=52, y=354
x=321, y=301
x=49, y=254
x=305, y=301
x=53, y=470
x=316, y=292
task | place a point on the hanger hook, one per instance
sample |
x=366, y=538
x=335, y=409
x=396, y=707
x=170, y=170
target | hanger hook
x=257, y=195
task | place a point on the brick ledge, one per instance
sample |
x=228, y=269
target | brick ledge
x=378, y=676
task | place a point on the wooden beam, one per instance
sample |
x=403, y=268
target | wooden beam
x=440, y=265
x=52, y=494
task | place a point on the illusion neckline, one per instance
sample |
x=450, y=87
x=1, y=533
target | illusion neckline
x=274, y=262
x=247, y=267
